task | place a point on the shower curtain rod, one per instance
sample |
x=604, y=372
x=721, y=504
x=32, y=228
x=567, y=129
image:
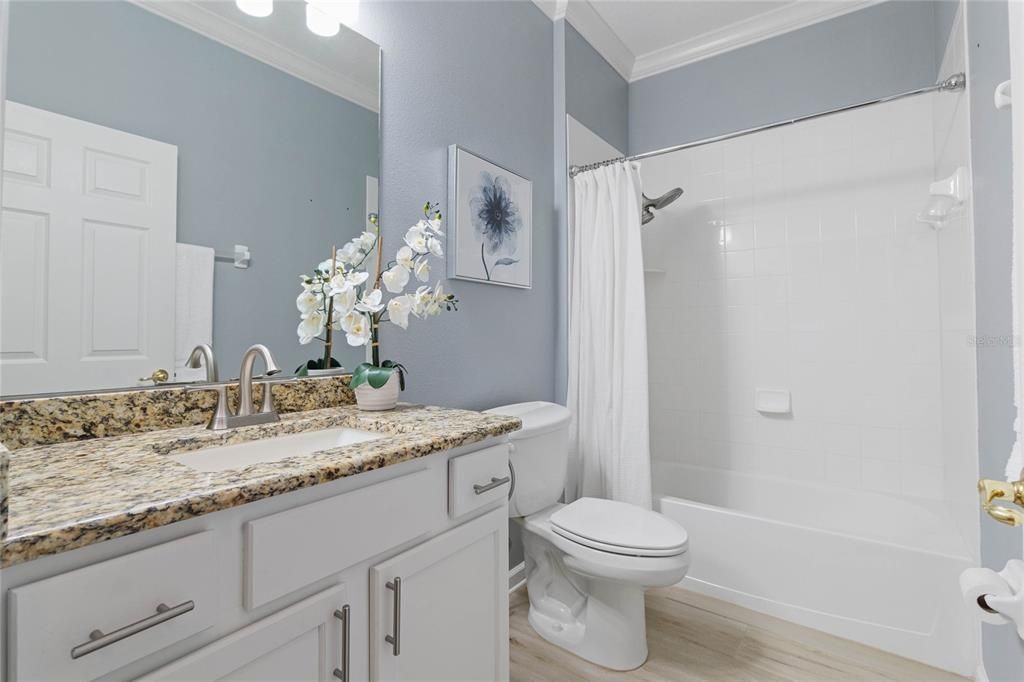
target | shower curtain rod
x=958, y=81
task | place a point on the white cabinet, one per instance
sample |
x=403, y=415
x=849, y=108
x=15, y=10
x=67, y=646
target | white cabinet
x=307, y=642
x=225, y=596
x=439, y=611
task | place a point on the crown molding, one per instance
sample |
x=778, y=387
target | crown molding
x=192, y=15
x=554, y=9
x=585, y=19
x=796, y=15
x=774, y=23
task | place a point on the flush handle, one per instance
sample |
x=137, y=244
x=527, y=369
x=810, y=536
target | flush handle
x=1011, y=492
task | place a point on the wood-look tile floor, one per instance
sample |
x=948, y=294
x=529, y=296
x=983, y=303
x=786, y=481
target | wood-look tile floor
x=693, y=637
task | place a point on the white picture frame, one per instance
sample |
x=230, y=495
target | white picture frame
x=490, y=221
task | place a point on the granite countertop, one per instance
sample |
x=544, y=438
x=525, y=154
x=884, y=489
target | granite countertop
x=69, y=495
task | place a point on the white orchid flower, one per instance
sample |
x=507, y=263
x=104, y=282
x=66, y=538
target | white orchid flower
x=350, y=253
x=357, y=278
x=367, y=240
x=398, y=310
x=344, y=301
x=371, y=302
x=433, y=306
x=422, y=269
x=325, y=266
x=420, y=300
x=307, y=302
x=404, y=257
x=357, y=328
x=416, y=238
x=395, y=278
x=311, y=326
x=338, y=283
x=434, y=244
x=435, y=225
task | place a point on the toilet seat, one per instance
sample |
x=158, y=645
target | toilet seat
x=619, y=528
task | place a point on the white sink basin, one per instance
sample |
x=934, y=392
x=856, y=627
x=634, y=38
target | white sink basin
x=271, y=449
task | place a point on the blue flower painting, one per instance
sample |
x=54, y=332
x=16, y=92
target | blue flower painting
x=490, y=222
x=496, y=221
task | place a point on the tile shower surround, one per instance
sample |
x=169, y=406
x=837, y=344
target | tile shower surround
x=794, y=261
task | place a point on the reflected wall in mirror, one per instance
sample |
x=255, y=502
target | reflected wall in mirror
x=136, y=148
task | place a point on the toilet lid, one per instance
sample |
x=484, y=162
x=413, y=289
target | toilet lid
x=619, y=527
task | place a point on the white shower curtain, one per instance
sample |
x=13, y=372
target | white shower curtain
x=608, y=338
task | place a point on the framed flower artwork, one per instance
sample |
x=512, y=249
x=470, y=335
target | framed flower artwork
x=490, y=221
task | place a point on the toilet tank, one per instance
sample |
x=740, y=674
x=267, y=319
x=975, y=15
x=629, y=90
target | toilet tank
x=539, y=455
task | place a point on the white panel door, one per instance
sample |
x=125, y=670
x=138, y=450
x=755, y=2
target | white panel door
x=86, y=254
x=452, y=608
x=302, y=643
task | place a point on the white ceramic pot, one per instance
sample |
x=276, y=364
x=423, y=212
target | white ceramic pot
x=383, y=398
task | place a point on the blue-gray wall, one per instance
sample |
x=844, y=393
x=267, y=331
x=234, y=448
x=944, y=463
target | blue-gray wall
x=870, y=53
x=478, y=74
x=264, y=159
x=991, y=163
x=595, y=94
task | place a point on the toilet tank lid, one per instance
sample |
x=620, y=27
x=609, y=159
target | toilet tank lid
x=537, y=417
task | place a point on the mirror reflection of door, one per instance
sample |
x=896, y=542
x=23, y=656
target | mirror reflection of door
x=144, y=141
x=86, y=254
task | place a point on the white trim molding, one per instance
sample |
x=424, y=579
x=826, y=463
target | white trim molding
x=791, y=17
x=585, y=19
x=192, y=15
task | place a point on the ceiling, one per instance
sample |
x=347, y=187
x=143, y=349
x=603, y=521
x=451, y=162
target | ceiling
x=643, y=37
x=346, y=64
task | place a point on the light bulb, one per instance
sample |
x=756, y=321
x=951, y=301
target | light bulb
x=256, y=8
x=320, y=22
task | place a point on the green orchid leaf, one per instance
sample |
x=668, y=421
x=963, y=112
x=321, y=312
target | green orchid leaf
x=360, y=374
x=378, y=376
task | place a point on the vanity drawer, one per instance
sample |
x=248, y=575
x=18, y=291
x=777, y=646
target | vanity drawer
x=88, y=622
x=295, y=548
x=478, y=479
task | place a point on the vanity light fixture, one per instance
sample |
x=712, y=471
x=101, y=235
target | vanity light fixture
x=320, y=21
x=256, y=8
x=324, y=17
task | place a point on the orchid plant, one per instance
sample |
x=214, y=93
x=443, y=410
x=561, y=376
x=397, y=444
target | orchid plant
x=340, y=296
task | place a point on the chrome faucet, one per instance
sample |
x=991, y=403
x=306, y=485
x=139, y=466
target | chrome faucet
x=202, y=356
x=223, y=417
x=245, y=405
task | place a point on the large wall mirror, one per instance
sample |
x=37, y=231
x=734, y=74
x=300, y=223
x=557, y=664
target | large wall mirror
x=145, y=143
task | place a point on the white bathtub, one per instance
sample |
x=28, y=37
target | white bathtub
x=872, y=568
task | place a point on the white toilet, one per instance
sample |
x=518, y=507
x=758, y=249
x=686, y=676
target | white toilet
x=587, y=562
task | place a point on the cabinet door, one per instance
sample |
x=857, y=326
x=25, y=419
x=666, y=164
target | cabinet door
x=439, y=611
x=303, y=642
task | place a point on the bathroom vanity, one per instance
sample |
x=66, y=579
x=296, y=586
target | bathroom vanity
x=383, y=557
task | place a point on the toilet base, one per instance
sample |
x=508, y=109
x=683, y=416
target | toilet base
x=600, y=620
x=610, y=629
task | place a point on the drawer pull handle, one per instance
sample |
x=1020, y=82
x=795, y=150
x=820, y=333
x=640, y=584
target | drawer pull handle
x=495, y=482
x=395, y=639
x=342, y=615
x=98, y=640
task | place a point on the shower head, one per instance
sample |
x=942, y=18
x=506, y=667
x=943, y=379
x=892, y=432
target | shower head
x=664, y=200
x=658, y=203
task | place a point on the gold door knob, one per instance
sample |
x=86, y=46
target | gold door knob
x=1011, y=492
x=157, y=377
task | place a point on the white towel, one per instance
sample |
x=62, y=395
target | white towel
x=193, y=307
